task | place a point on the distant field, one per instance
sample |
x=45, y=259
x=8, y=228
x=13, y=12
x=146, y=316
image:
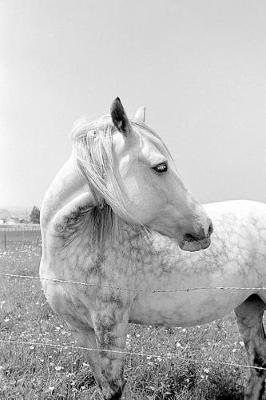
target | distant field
x=187, y=365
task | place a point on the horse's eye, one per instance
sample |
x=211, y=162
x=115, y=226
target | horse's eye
x=160, y=168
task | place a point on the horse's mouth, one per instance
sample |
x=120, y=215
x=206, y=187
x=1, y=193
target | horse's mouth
x=195, y=245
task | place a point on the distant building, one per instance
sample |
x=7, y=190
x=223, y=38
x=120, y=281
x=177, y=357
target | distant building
x=8, y=219
x=12, y=221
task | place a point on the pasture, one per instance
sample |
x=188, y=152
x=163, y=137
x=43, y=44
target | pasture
x=38, y=359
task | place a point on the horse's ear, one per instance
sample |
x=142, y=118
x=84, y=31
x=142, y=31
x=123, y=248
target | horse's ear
x=140, y=114
x=119, y=117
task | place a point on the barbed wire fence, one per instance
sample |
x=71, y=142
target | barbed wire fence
x=30, y=236
x=169, y=355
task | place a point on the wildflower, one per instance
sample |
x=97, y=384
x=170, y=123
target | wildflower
x=58, y=368
x=51, y=389
x=2, y=303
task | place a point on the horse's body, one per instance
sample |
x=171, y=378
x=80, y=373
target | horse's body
x=154, y=271
x=135, y=275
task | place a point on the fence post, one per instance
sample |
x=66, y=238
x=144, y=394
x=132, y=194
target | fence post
x=5, y=238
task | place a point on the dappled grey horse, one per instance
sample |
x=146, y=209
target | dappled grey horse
x=118, y=217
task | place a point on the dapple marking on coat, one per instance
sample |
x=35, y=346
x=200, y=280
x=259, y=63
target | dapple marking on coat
x=117, y=216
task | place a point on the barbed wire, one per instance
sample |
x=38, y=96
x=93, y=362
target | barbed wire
x=168, y=356
x=130, y=353
x=57, y=280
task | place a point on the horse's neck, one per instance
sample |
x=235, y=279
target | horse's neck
x=67, y=185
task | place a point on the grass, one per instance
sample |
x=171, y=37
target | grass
x=189, y=363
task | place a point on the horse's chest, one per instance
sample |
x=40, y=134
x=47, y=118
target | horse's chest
x=87, y=274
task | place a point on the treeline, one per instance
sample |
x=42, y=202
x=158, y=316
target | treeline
x=35, y=215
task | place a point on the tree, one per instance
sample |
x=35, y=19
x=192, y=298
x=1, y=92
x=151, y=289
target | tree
x=35, y=215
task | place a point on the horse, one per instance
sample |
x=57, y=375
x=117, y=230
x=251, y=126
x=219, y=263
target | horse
x=118, y=218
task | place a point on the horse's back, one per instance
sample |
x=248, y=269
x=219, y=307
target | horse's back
x=248, y=215
x=236, y=207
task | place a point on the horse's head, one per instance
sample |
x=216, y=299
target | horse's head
x=146, y=189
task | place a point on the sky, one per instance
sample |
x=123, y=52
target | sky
x=199, y=67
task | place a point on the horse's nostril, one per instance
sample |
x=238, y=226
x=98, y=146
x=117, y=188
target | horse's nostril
x=199, y=235
x=190, y=238
x=210, y=231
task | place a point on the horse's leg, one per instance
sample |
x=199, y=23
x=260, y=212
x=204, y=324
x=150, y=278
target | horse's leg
x=109, y=334
x=110, y=325
x=250, y=324
x=87, y=338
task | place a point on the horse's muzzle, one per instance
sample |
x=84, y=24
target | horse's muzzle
x=197, y=240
